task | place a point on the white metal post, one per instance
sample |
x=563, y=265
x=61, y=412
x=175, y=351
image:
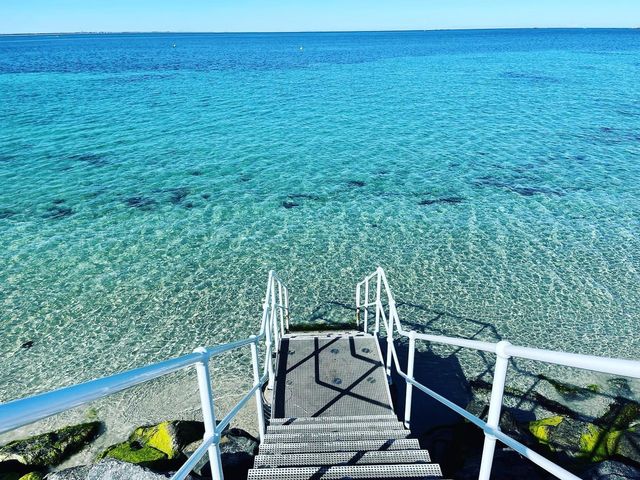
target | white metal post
x=208, y=413
x=389, y=328
x=358, y=305
x=495, y=407
x=273, y=315
x=378, y=300
x=286, y=304
x=409, y=386
x=280, y=308
x=258, y=394
x=366, y=305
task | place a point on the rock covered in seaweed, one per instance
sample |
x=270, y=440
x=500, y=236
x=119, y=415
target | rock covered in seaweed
x=611, y=470
x=156, y=446
x=51, y=448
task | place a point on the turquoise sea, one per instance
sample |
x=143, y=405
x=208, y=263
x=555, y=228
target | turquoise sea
x=148, y=182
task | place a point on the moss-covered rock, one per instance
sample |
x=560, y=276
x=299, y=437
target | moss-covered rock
x=33, y=476
x=51, y=448
x=169, y=437
x=585, y=440
x=158, y=447
x=541, y=429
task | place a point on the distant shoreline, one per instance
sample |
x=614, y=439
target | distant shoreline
x=152, y=32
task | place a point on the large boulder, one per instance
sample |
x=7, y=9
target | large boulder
x=610, y=470
x=237, y=451
x=51, y=448
x=589, y=441
x=159, y=447
x=22, y=476
x=108, y=470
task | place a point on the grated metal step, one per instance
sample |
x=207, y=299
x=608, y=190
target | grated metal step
x=351, y=446
x=430, y=470
x=335, y=427
x=342, y=458
x=346, y=419
x=335, y=436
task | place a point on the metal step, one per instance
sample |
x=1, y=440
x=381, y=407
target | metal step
x=343, y=436
x=342, y=458
x=349, y=419
x=352, y=446
x=428, y=470
x=335, y=427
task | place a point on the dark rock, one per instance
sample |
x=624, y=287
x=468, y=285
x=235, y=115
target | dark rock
x=157, y=446
x=49, y=449
x=447, y=200
x=507, y=465
x=189, y=205
x=237, y=451
x=206, y=196
x=196, y=173
x=27, y=345
x=611, y=470
x=57, y=212
x=143, y=203
x=289, y=204
x=58, y=201
x=93, y=159
x=356, y=183
x=177, y=195
x=6, y=213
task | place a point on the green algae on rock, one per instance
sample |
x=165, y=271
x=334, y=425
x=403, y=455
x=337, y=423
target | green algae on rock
x=156, y=446
x=51, y=448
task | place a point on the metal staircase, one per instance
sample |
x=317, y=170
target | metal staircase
x=333, y=415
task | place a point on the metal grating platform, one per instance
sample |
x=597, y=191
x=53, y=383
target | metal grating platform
x=309, y=447
x=330, y=376
x=351, y=472
x=335, y=427
x=342, y=458
x=343, y=436
x=318, y=420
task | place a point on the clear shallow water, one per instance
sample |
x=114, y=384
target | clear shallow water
x=144, y=189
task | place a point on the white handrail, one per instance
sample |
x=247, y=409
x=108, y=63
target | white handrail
x=24, y=411
x=503, y=351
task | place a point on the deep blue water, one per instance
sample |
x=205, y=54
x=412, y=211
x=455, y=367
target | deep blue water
x=146, y=189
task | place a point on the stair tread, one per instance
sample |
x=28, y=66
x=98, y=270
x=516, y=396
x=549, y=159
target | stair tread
x=310, y=437
x=336, y=427
x=342, y=458
x=345, y=419
x=427, y=470
x=341, y=446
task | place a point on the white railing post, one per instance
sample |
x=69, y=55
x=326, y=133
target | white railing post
x=495, y=407
x=378, y=299
x=409, y=386
x=273, y=319
x=286, y=304
x=358, y=305
x=280, y=308
x=366, y=305
x=268, y=345
x=208, y=413
x=389, y=328
x=258, y=394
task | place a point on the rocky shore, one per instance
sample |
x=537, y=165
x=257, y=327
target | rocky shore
x=602, y=446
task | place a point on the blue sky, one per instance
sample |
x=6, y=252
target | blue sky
x=309, y=15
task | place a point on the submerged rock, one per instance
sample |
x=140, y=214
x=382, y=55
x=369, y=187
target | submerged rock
x=447, y=200
x=57, y=212
x=289, y=204
x=156, y=446
x=143, y=203
x=50, y=449
x=237, y=451
x=27, y=345
x=610, y=470
x=356, y=183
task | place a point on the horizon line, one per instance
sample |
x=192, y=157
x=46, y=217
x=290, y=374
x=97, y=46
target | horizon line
x=189, y=32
